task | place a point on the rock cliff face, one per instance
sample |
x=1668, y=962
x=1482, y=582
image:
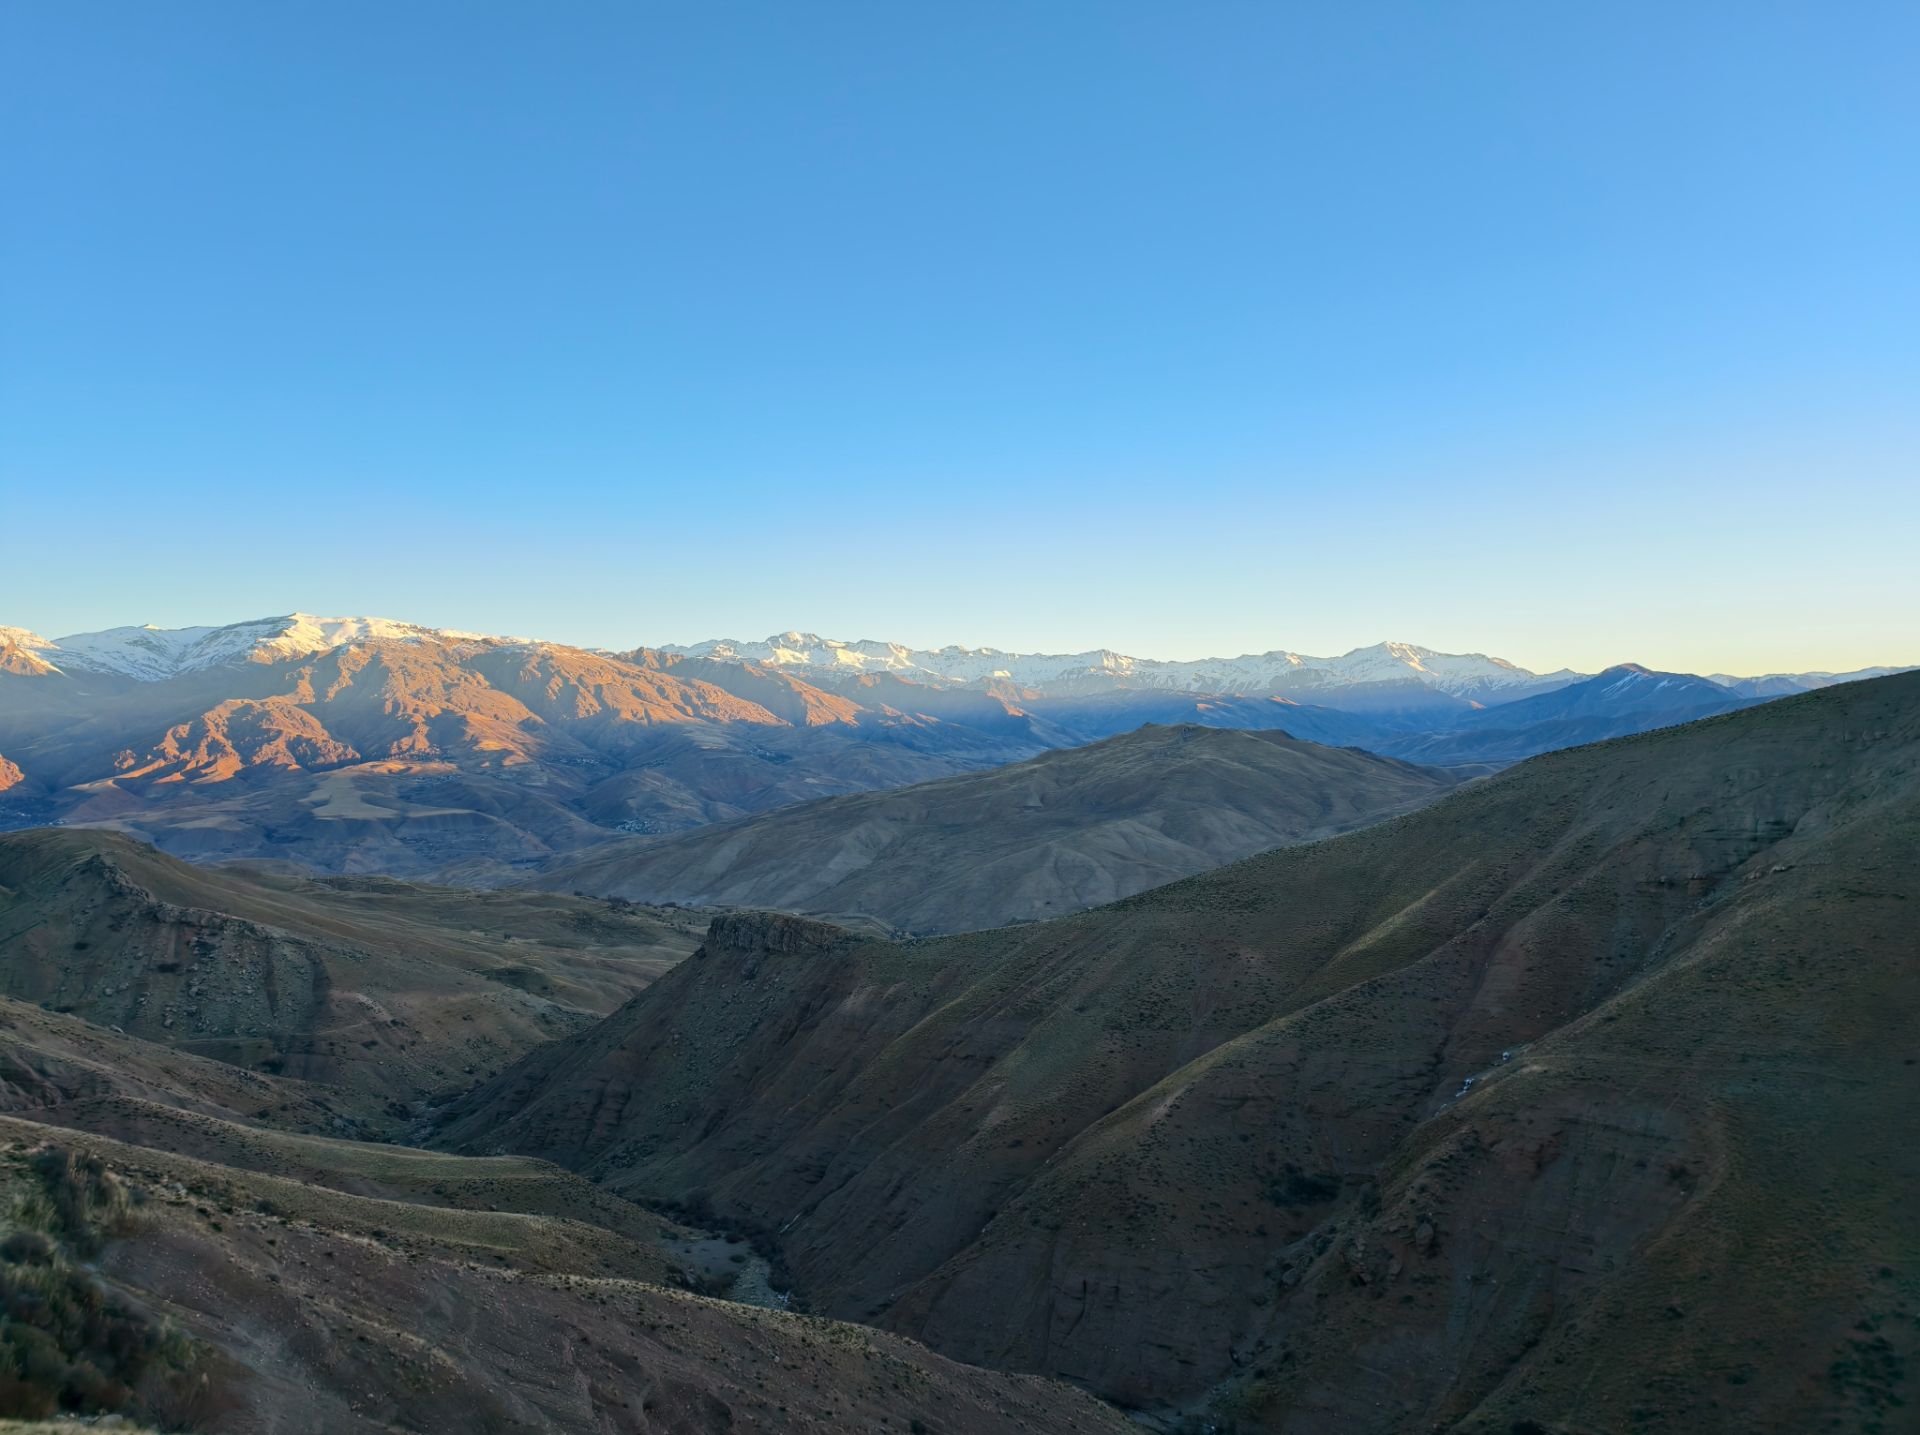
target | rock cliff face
x=1522, y=1105
x=746, y=937
x=376, y=987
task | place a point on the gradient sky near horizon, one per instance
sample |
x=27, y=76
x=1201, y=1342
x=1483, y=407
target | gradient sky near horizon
x=1575, y=334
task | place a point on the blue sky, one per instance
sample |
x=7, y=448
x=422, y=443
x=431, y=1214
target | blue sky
x=1574, y=334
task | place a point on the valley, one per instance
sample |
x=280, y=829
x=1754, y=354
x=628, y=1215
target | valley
x=1161, y=1080
x=327, y=1311
x=1330, y=845
x=193, y=1127
x=1501, y=1100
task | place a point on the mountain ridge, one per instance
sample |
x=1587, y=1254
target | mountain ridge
x=148, y=652
x=356, y=744
x=1068, y=829
x=422, y=752
x=1455, y=674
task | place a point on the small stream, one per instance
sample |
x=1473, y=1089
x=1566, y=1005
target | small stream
x=727, y=1267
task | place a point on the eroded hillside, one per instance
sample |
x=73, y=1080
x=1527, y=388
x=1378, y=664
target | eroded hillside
x=189, y=1237
x=1524, y=1105
x=369, y=985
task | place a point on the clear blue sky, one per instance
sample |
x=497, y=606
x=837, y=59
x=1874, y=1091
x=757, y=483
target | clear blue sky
x=1571, y=333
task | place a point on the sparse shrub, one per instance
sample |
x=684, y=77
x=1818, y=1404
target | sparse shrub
x=26, y=1248
x=68, y=1341
x=85, y=1199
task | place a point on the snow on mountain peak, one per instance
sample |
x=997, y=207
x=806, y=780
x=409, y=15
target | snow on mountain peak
x=26, y=653
x=22, y=638
x=1469, y=675
x=151, y=654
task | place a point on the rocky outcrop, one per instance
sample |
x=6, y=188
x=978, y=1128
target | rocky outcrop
x=748, y=936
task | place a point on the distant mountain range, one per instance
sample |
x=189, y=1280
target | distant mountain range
x=371, y=744
x=1622, y=700
x=1343, y=681
x=357, y=745
x=153, y=654
x=1471, y=677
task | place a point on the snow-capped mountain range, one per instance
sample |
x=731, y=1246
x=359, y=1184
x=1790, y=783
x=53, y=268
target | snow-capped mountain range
x=319, y=740
x=1473, y=676
x=1780, y=685
x=151, y=654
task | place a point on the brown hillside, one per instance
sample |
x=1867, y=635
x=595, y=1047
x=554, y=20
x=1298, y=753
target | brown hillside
x=53, y=1066
x=1573, y=1101
x=1059, y=832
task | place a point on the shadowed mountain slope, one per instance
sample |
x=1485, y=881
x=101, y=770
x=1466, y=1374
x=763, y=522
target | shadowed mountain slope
x=1057, y=833
x=1617, y=703
x=1562, y=1103
x=52, y=1065
x=367, y=984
